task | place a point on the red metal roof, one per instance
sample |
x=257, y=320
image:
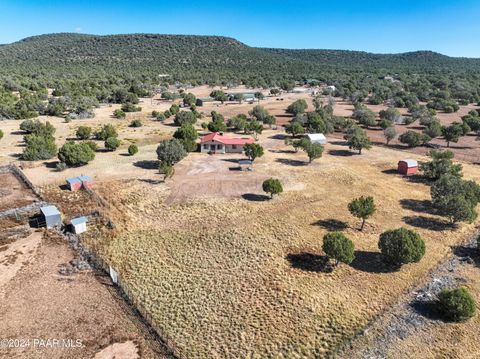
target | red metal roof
x=218, y=137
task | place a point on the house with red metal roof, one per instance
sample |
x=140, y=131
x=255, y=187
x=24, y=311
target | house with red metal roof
x=217, y=142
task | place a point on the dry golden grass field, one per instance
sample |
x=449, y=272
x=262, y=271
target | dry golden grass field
x=226, y=273
x=230, y=277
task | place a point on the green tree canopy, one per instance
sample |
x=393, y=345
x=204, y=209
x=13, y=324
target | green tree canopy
x=337, y=246
x=76, y=154
x=357, y=139
x=363, y=208
x=441, y=164
x=171, y=151
x=272, y=186
x=456, y=304
x=401, y=246
x=188, y=135
x=297, y=107
x=253, y=151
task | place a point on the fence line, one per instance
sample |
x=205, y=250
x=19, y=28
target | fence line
x=102, y=265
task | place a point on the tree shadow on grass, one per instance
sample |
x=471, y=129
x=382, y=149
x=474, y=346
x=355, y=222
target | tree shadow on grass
x=255, y=197
x=278, y=136
x=416, y=205
x=147, y=164
x=309, y=262
x=391, y=171
x=372, y=262
x=432, y=224
x=343, y=153
x=339, y=143
x=151, y=181
x=331, y=224
x=289, y=162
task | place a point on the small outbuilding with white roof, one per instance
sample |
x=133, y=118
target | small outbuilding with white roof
x=318, y=138
x=52, y=216
x=407, y=167
x=79, y=225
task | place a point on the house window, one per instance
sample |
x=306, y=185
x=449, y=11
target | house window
x=219, y=147
x=205, y=147
x=234, y=147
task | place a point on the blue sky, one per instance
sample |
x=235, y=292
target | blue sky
x=447, y=26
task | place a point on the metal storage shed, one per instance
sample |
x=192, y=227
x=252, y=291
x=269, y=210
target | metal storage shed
x=74, y=184
x=318, y=138
x=407, y=167
x=52, y=216
x=79, y=225
x=86, y=181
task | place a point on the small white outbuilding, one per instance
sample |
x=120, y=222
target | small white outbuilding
x=318, y=138
x=79, y=225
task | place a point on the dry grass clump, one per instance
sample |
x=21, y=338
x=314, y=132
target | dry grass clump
x=232, y=279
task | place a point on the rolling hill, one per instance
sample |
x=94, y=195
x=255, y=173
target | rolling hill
x=202, y=58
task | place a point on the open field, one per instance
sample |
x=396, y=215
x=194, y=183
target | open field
x=242, y=277
x=116, y=165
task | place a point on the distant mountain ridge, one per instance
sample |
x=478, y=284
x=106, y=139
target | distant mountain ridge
x=205, y=59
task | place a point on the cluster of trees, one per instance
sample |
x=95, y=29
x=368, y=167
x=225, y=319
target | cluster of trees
x=39, y=140
x=452, y=196
x=85, y=70
x=398, y=246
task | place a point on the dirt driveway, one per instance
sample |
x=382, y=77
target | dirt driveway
x=203, y=175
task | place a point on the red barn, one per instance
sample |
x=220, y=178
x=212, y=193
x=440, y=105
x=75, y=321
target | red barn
x=407, y=167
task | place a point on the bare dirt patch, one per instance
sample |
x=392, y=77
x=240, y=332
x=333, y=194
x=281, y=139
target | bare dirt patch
x=40, y=303
x=13, y=193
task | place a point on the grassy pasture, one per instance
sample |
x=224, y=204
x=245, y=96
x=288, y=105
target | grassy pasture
x=235, y=278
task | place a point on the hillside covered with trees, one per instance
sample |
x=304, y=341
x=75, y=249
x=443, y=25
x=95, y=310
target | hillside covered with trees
x=85, y=70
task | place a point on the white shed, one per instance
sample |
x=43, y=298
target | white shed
x=317, y=138
x=52, y=216
x=79, y=225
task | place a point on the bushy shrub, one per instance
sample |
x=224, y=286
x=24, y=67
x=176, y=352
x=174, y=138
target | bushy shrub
x=132, y=149
x=401, y=246
x=119, y=114
x=413, y=138
x=184, y=117
x=112, y=143
x=136, y=123
x=272, y=186
x=75, y=154
x=171, y=151
x=130, y=107
x=456, y=304
x=337, y=246
x=39, y=148
x=93, y=145
x=84, y=132
x=105, y=132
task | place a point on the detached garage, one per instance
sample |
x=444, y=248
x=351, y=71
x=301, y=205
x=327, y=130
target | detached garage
x=407, y=167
